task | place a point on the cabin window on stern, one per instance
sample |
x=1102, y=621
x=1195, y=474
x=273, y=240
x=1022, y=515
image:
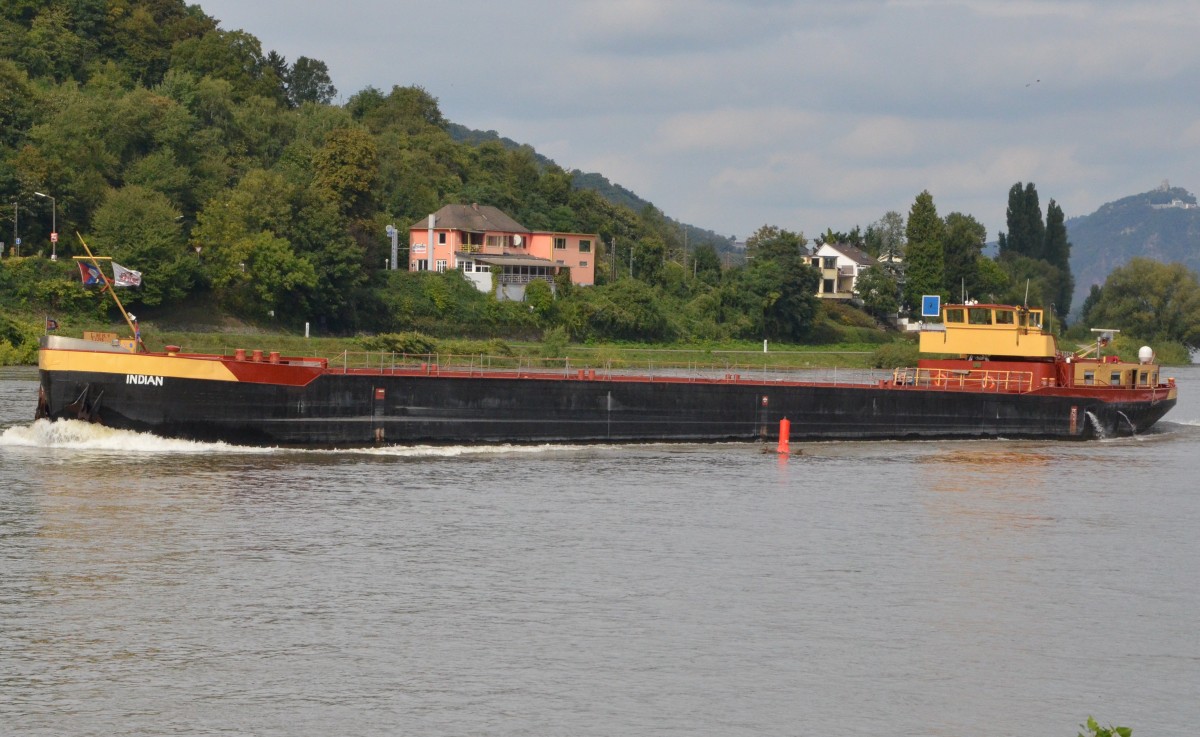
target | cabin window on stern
x=1115, y=379
x=1089, y=377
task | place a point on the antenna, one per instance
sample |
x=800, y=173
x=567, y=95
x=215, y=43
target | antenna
x=1026, y=294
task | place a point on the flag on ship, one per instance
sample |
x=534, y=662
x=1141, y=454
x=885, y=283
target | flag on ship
x=51, y=323
x=123, y=277
x=90, y=274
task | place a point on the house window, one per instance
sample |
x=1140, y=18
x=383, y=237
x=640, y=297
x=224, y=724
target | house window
x=481, y=267
x=465, y=266
x=830, y=262
x=441, y=265
x=560, y=243
x=583, y=264
x=442, y=238
x=827, y=286
x=585, y=247
x=421, y=264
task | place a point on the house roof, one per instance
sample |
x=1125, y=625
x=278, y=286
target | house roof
x=507, y=260
x=472, y=218
x=854, y=253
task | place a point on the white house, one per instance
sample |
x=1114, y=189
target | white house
x=839, y=265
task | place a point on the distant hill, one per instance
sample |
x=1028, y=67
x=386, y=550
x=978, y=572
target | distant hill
x=1163, y=224
x=610, y=191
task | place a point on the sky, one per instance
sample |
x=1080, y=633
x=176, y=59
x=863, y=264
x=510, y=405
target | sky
x=803, y=114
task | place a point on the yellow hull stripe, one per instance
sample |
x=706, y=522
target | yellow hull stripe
x=176, y=367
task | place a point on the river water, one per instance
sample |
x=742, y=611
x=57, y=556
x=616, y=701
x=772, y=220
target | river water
x=154, y=587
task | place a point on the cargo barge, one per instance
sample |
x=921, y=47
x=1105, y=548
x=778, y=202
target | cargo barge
x=987, y=371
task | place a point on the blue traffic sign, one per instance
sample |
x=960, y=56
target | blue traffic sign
x=931, y=305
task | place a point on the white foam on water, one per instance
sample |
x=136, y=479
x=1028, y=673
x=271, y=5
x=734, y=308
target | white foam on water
x=79, y=435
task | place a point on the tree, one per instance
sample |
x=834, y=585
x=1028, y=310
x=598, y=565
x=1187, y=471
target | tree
x=924, y=263
x=1026, y=232
x=1151, y=301
x=52, y=49
x=139, y=228
x=539, y=297
x=1057, y=252
x=345, y=169
x=706, y=264
x=773, y=242
x=234, y=56
x=308, y=81
x=961, y=250
x=885, y=237
x=879, y=292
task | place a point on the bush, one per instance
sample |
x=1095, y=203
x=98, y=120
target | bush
x=1095, y=730
x=493, y=347
x=900, y=354
x=411, y=343
x=554, y=343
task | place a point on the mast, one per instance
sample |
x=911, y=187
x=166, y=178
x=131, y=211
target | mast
x=108, y=284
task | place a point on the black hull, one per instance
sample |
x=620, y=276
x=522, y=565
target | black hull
x=346, y=410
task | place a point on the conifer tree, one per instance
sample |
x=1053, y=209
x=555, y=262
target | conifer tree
x=1057, y=252
x=924, y=263
x=1024, y=219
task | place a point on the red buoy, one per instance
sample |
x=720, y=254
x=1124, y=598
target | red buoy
x=785, y=429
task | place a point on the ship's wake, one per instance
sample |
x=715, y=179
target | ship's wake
x=79, y=435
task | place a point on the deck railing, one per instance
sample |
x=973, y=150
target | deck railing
x=987, y=380
x=444, y=364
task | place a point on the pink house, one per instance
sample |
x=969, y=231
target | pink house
x=475, y=238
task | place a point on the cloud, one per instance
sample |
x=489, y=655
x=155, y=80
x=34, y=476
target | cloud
x=806, y=114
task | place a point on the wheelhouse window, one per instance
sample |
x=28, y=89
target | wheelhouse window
x=1004, y=317
x=954, y=315
x=979, y=316
x=1089, y=377
x=1115, y=379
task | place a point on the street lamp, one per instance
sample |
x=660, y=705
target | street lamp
x=53, y=225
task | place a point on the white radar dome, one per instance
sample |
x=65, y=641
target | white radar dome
x=1145, y=354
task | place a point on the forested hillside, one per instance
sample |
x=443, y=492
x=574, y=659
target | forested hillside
x=222, y=172
x=1158, y=225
